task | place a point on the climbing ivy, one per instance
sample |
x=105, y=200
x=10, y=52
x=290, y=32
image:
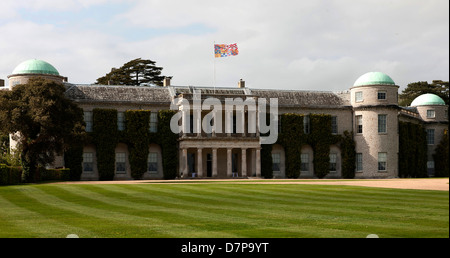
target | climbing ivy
x=412, y=147
x=138, y=139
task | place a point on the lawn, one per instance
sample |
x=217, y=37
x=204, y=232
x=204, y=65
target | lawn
x=225, y=210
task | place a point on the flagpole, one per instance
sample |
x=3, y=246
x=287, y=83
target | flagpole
x=214, y=83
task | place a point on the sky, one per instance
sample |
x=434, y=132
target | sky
x=322, y=45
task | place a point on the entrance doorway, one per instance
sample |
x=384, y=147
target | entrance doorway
x=208, y=165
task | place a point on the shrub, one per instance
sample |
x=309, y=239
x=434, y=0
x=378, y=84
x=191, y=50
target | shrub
x=10, y=175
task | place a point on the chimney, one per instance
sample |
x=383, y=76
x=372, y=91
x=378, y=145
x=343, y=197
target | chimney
x=241, y=84
x=166, y=81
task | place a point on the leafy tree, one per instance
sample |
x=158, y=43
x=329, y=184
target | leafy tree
x=415, y=89
x=42, y=120
x=134, y=72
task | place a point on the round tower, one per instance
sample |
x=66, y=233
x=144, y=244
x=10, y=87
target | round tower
x=34, y=68
x=434, y=112
x=374, y=97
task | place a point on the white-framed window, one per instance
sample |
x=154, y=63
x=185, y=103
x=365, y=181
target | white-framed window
x=121, y=163
x=152, y=162
x=304, y=166
x=359, y=162
x=306, y=125
x=88, y=120
x=359, y=124
x=431, y=113
x=88, y=162
x=334, y=125
x=276, y=162
x=430, y=136
x=382, y=161
x=358, y=96
x=381, y=95
x=382, y=123
x=153, y=122
x=333, y=162
x=120, y=121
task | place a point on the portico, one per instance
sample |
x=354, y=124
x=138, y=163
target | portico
x=220, y=158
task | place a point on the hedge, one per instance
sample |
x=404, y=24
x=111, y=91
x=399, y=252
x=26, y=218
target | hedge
x=10, y=175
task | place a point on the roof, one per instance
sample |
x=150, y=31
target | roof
x=374, y=78
x=36, y=67
x=427, y=100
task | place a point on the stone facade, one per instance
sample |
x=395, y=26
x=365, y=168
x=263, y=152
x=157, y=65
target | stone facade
x=369, y=110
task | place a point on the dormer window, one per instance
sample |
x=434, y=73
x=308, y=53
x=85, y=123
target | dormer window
x=431, y=113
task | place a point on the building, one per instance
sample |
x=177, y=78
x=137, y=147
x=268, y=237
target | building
x=368, y=109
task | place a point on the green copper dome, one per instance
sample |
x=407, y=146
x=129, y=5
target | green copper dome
x=427, y=100
x=374, y=78
x=35, y=66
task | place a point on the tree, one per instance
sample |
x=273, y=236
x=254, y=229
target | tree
x=134, y=72
x=415, y=89
x=42, y=120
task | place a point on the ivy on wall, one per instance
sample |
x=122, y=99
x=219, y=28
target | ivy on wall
x=441, y=157
x=169, y=143
x=412, y=147
x=291, y=137
x=138, y=139
x=105, y=137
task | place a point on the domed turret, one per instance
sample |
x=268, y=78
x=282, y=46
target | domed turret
x=427, y=100
x=33, y=68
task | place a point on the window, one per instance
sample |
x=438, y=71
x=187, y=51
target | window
x=381, y=95
x=359, y=162
x=430, y=136
x=382, y=161
x=276, y=161
x=359, y=125
x=306, y=125
x=152, y=162
x=88, y=162
x=382, y=123
x=333, y=162
x=120, y=121
x=154, y=122
x=89, y=121
x=305, y=162
x=359, y=96
x=431, y=113
x=334, y=126
x=120, y=163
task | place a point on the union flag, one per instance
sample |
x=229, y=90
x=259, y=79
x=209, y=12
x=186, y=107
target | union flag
x=223, y=50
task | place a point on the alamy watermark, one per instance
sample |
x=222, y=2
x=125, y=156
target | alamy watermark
x=259, y=121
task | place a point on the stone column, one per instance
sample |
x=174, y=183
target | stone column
x=185, y=163
x=229, y=163
x=214, y=162
x=199, y=162
x=198, y=123
x=258, y=162
x=244, y=162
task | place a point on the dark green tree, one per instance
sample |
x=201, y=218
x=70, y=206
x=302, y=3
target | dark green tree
x=134, y=72
x=42, y=120
x=415, y=89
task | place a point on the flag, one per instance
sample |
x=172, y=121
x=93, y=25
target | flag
x=222, y=50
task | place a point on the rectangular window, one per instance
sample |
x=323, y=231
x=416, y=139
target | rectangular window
x=154, y=122
x=359, y=125
x=382, y=123
x=382, y=156
x=334, y=126
x=431, y=113
x=152, y=162
x=120, y=163
x=88, y=162
x=120, y=121
x=430, y=136
x=359, y=162
x=88, y=120
x=276, y=161
x=381, y=95
x=358, y=96
x=333, y=162
x=306, y=125
x=305, y=162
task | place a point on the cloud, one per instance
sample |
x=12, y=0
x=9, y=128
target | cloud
x=308, y=45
